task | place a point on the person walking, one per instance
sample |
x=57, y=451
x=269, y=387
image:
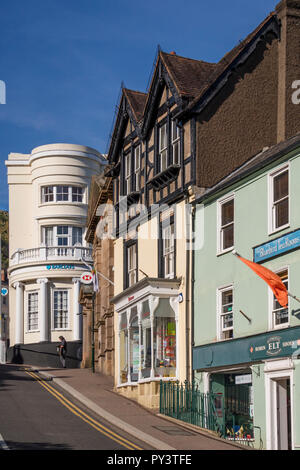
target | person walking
x=62, y=351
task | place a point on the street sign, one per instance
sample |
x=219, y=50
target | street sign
x=4, y=291
x=86, y=278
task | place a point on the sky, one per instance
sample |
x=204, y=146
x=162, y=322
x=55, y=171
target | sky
x=63, y=61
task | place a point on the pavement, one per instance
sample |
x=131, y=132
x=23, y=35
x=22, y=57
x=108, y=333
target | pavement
x=95, y=391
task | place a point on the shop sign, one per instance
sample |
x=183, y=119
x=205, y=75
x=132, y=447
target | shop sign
x=60, y=266
x=4, y=291
x=281, y=245
x=276, y=344
x=243, y=379
x=86, y=277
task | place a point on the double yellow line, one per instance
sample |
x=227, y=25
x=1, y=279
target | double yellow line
x=82, y=415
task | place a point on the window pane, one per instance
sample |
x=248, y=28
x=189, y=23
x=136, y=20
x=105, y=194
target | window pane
x=134, y=349
x=62, y=193
x=281, y=314
x=227, y=212
x=164, y=346
x=227, y=237
x=281, y=186
x=60, y=307
x=282, y=213
x=76, y=194
x=145, y=341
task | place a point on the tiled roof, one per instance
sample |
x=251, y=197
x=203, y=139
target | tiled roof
x=137, y=101
x=188, y=75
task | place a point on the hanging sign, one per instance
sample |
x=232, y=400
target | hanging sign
x=86, y=277
x=4, y=291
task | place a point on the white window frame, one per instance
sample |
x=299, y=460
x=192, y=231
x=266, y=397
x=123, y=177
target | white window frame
x=220, y=228
x=271, y=322
x=132, y=269
x=137, y=166
x=220, y=315
x=60, y=289
x=127, y=173
x=55, y=235
x=29, y=293
x=70, y=192
x=163, y=151
x=168, y=252
x=175, y=141
x=271, y=205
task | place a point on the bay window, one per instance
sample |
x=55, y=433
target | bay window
x=175, y=143
x=147, y=343
x=163, y=147
x=62, y=193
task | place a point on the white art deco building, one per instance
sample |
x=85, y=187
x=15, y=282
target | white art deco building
x=48, y=200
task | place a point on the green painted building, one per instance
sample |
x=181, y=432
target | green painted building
x=246, y=345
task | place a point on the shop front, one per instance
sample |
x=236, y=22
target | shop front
x=257, y=382
x=147, y=338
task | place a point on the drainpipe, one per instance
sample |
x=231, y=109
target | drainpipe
x=193, y=290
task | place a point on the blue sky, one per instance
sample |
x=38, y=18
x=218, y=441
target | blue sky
x=63, y=61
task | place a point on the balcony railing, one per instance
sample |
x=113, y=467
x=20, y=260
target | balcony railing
x=51, y=253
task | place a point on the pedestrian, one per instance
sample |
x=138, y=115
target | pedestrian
x=62, y=351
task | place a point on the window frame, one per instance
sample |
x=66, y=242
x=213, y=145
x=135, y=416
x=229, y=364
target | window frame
x=127, y=246
x=272, y=326
x=70, y=187
x=137, y=169
x=163, y=150
x=176, y=141
x=220, y=314
x=54, y=290
x=271, y=204
x=220, y=227
x=29, y=293
x=55, y=235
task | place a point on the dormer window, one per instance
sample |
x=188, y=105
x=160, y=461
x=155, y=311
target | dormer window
x=163, y=147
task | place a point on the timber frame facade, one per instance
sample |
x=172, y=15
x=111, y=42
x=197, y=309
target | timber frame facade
x=197, y=123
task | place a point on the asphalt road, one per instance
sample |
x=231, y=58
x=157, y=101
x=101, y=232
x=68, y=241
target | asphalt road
x=36, y=415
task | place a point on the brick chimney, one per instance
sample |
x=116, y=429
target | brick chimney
x=288, y=12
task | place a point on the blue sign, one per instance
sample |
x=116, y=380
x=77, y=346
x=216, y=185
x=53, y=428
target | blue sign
x=277, y=247
x=4, y=291
x=60, y=266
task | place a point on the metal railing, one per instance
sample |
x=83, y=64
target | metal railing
x=53, y=253
x=187, y=403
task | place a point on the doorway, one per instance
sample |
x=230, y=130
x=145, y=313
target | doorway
x=283, y=413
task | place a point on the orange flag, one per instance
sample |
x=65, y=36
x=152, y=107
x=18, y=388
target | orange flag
x=273, y=281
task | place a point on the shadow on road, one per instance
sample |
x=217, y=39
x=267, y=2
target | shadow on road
x=36, y=446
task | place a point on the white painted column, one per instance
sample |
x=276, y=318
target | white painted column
x=19, y=332
x=77, y=317
x=153, y=304
x=43, y=312
x=174, y=302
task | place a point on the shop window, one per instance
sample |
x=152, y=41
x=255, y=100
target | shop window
x=123, y=347
x=225, y=313
x=148, y=342
x=279, y=199
x=280, y=315
x=134, y=346
x=165, y=346
x=145, y=341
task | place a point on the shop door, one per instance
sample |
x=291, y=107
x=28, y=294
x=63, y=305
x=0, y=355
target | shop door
x=283, y=409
